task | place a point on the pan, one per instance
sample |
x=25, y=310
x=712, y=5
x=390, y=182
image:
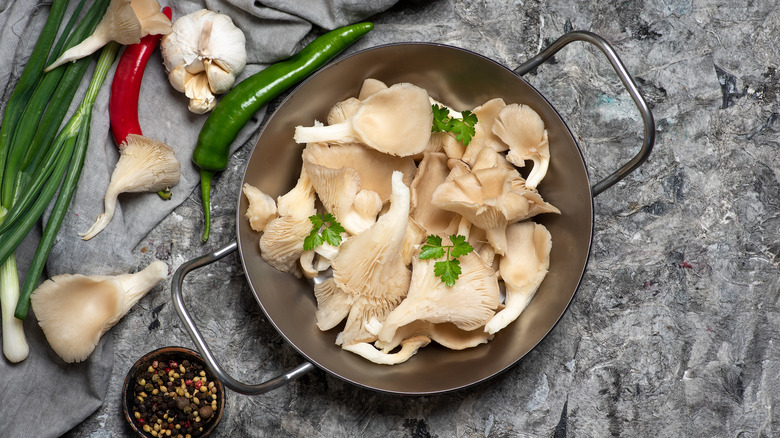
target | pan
x=461, y=79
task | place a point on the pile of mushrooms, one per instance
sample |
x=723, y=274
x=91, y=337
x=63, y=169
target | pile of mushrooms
x=380, y=171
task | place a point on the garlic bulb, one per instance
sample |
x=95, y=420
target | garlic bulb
x=203, y=55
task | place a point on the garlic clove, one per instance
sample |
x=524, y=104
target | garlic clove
x=220, y=81
x=179, y=77
x=196, y=66
x=197, y=89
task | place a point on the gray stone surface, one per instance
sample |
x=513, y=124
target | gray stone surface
x=672, y=330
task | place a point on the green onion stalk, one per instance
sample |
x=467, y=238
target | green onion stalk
x=78, y=129
x=15, y=346
x=74, y=140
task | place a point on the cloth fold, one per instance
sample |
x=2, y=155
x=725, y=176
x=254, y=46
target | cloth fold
x=43, y=386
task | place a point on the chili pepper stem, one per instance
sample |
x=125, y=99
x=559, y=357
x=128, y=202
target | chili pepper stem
x=205, y=193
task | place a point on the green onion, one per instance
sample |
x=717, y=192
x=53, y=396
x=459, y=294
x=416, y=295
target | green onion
x=29, y=78
x=79, y=124
x=40, y=119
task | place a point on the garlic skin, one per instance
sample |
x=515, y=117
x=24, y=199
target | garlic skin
x=203, y=55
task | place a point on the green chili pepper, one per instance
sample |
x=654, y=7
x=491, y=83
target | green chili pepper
x=239, y=105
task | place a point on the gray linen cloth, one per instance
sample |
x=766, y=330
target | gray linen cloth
x=44, y=396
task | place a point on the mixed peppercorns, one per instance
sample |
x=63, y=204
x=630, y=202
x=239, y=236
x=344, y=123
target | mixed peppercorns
x=172, y=399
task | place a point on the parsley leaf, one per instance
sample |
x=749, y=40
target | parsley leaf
x=463, y=128
x=325, y=229
x=449, y=268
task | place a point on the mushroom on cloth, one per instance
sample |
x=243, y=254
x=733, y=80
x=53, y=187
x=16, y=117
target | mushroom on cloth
x=74, y=311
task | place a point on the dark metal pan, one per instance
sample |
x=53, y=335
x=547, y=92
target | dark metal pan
x=462, y=79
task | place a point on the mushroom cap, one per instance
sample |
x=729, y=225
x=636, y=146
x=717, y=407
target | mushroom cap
x=483, y=131
x=353, y=181
x=523, y=269
x=521, y=128
x=486, y=198
x=370, y=263
x=369, y=87
x=152, y=20
x=396, y=120
x=74, y=311
x=145, y=165
x=362, y=313
x=468, y=304
x=343, y=110
x=333, y=304
x=431, y=173
x=261, y=208
x=281, y=244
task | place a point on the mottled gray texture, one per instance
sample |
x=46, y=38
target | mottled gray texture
x=672, y=331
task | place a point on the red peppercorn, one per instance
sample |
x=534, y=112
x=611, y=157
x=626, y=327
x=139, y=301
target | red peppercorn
x=173, y=364
x=198, y=384
x=188, y=382
x=141, y=421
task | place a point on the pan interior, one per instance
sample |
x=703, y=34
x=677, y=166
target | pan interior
x=463, y=80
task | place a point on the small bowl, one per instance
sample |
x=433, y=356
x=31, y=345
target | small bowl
x=165, y=355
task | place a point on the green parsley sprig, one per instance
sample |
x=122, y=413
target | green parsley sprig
x=449, y=268
x=464, y=128
x=325, y=229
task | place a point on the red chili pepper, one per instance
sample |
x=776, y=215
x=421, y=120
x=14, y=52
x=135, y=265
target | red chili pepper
x=126, y=86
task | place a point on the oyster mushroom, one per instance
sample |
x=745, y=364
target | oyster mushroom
x=369, y=266
x=445, y=334
x=281, y=244
x=333, y=304
x=486, y=198
x=408, y=349
x=484, y=137
x=523, y=269
x=261, y=208
x=352, y=181
x=431, y=173
x=343, y=110
x=521, y=128
x=369, y=87
x=468, y=304
x=74, y=311
x=396, y=121
x=144, y=165
x=126, y=22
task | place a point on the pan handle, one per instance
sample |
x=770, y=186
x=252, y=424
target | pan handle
x=628, y=82
x=205, y=351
